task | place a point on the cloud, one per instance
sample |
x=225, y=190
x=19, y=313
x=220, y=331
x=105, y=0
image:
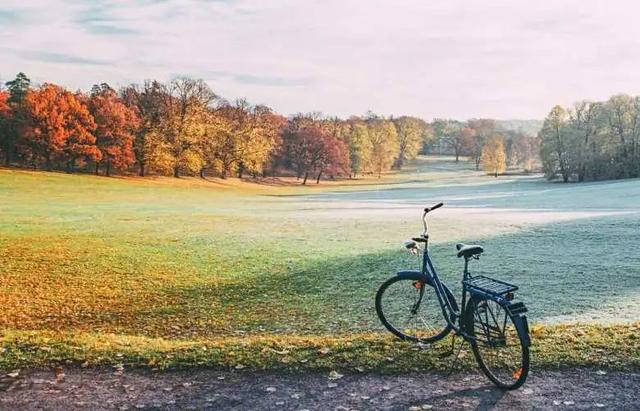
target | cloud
x=59, y=58
x=9, y=17
x=495, y=58
x=272, y=81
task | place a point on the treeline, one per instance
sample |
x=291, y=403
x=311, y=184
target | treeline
x=593, y=140
x=486, y=144
x=183, y=128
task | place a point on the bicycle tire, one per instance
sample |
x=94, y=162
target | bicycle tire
x=472, y=317
x=436, y=333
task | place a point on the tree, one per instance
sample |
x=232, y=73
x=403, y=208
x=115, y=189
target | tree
x=5, y=117
x=59, y=126
x=314, y=150
x=149, y=103
x=359, y=148
x=585, y=122
x=484, y=129
x=465, y=141
x=383, y=140
x=523, y=151
x=623, y=118
x=448, y=134
x=116, y=125
x=182, y=126
x=14, y=120
x=555, y=143
x=252, y=135
x=411, y=135
x=493, y=156
x=18, y=88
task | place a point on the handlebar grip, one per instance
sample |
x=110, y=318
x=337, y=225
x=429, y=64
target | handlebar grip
x=428, y=209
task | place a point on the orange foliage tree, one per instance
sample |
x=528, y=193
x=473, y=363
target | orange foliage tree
x=116, y=124
x=59, y=126
x=5, y=115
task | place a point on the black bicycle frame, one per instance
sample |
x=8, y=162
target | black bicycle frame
x=450, y=314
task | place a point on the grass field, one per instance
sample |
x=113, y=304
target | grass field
x=110, y=268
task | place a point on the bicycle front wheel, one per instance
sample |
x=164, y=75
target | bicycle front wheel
x=410, y=309
x=498, y=346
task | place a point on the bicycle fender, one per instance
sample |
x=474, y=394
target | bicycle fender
x=520, y=321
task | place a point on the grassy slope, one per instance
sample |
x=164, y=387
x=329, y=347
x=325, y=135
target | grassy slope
x=146, y=267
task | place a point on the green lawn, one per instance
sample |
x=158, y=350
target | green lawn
x=167, y=264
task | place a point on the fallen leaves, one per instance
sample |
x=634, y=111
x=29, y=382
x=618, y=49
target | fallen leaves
x=335, y=375
x=13, y=374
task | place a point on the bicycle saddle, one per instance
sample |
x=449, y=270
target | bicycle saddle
x=468, y=250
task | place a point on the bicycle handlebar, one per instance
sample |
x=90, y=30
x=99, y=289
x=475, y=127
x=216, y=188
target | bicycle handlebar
x=429, y=209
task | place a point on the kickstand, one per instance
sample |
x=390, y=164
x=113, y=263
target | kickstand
x=456, y=358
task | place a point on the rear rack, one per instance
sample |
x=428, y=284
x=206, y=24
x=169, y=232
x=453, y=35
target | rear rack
x=488, y=285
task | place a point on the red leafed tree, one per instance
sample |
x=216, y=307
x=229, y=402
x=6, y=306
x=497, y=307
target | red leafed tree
x=5, y=114
x=313, y=150
x=58, y=126
x=116, y=124
x=4, y=106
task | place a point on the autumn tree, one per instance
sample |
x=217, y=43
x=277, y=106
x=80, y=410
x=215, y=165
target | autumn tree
x=483, y=130
x=5, y=117
x=59, y=126
x=250, y=136
x=149, y=103
x=493, y=156
x=116, y=125
x=359, y=147
x=383, y=140
x=411, y=134
x=315, y=151
x=183, y=124
x=523, y=151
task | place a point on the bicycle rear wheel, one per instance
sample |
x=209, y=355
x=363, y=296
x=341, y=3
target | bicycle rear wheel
x=498, y=346
x=409, y=308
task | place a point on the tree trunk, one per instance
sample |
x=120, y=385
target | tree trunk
x=223, y=173
x=141, y=171
x=97, y=168
x=457, y=155
x=48, y=162
x=71, y=165
x=240, y=171
x=109, y=168
x=306, y=175
x=176, y=172
x=7, y=155
x=202, y=173
x=318, y=179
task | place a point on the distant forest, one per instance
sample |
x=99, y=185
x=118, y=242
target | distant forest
x=182, y=127
x=593, y=140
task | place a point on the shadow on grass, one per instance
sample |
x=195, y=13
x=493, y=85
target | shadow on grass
x=583, y=270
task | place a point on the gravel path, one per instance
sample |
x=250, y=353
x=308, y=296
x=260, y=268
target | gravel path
x=209, y=389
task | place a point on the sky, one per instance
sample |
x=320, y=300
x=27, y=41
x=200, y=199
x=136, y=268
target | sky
x=504, y=59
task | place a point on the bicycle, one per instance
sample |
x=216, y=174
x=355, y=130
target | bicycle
x=490, y=320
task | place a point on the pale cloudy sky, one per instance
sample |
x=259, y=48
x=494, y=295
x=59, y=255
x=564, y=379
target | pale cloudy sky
x=492, y=58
